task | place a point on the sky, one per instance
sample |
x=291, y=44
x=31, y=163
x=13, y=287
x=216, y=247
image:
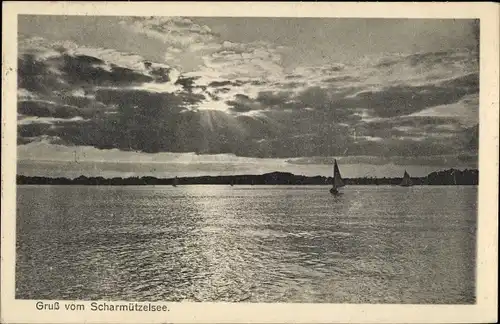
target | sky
x=184, y=96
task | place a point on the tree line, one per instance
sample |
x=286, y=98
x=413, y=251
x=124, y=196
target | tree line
x=445, y=177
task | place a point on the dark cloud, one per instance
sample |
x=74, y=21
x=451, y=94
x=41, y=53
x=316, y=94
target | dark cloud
x=48, y=109
x=78, y=101
x=219, y=83
x=188, y=83
x=315, y=97
x=413, y=125
x=429, y=58
x=258, y=127
x=316, y=121
x=404, y=99
x=34, y=75
x=476, y=32
x=265, y=100
x=434, y=160
x=145, y=102
x=160, y=74
x=51, y=139
x=468, y=158
x=54, y=131
x=426, y=60
x=223, y=90
x=468, y=83
x=387, y=62
x=341, y=78
x=66, y=71
x=242, y=103
x=292, y=85
x=258, y=82
x=213, y=96
x=32, y=130
x=470, y=138
x=80, y=70
x=414, y=136
x=333, y=68
x=225, y=83
x=272, y=99
x=280, y=134
x=23, y=140
x=143, y=121
x=89, y=60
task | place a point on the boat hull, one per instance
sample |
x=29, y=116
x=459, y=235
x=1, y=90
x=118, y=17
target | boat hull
x=334, y=192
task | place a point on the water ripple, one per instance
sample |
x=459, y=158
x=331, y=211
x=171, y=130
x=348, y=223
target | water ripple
x=252, y=244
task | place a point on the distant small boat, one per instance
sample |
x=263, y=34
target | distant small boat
x=176, y=181
x=406, y=180
x=337, y=180
x=454, y=176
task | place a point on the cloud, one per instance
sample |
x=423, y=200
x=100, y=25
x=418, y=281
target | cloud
x=274, y=99
x=408, y=125
x=35, y=76
x=452, y=160
x=252, y=60
x=46, y=66
x=48, y=109
x=238, y=99
x=204, y=54
x=470, y=139
x=403, y=99
x=32, y=130
x=242, y=103
x=465, y=110
x=185, y=40
x=80, y=70
x=178, y=31
x=146, y=103
x=55, y=160
x=57, y=81
x=226, y=83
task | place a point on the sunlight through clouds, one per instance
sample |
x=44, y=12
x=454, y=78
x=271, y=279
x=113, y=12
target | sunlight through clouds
x=214, y=94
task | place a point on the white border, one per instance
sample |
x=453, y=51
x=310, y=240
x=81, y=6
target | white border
x=22, y=311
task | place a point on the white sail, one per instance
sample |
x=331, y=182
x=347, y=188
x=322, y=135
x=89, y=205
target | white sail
x=337, y=178
x=406, y=180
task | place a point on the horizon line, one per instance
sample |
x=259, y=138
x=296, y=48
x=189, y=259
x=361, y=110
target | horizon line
x=244, y=175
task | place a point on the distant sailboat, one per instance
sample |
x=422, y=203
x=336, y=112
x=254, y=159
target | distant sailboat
x=176, y=181
x=454, y=176
x=406, y=180
x=337, y=180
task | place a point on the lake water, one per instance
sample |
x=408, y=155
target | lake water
x=373, y=244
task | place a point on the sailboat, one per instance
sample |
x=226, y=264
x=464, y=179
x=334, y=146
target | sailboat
x=454, y=176
x=406, y=180
x=176, y=181
x=337, y=180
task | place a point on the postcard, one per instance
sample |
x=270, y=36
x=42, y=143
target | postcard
x=249, y=162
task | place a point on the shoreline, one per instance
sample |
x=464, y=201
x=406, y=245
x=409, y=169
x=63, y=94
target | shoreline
x=446, y=177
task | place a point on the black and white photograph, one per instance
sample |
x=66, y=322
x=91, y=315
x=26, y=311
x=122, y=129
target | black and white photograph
x=325, y=160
